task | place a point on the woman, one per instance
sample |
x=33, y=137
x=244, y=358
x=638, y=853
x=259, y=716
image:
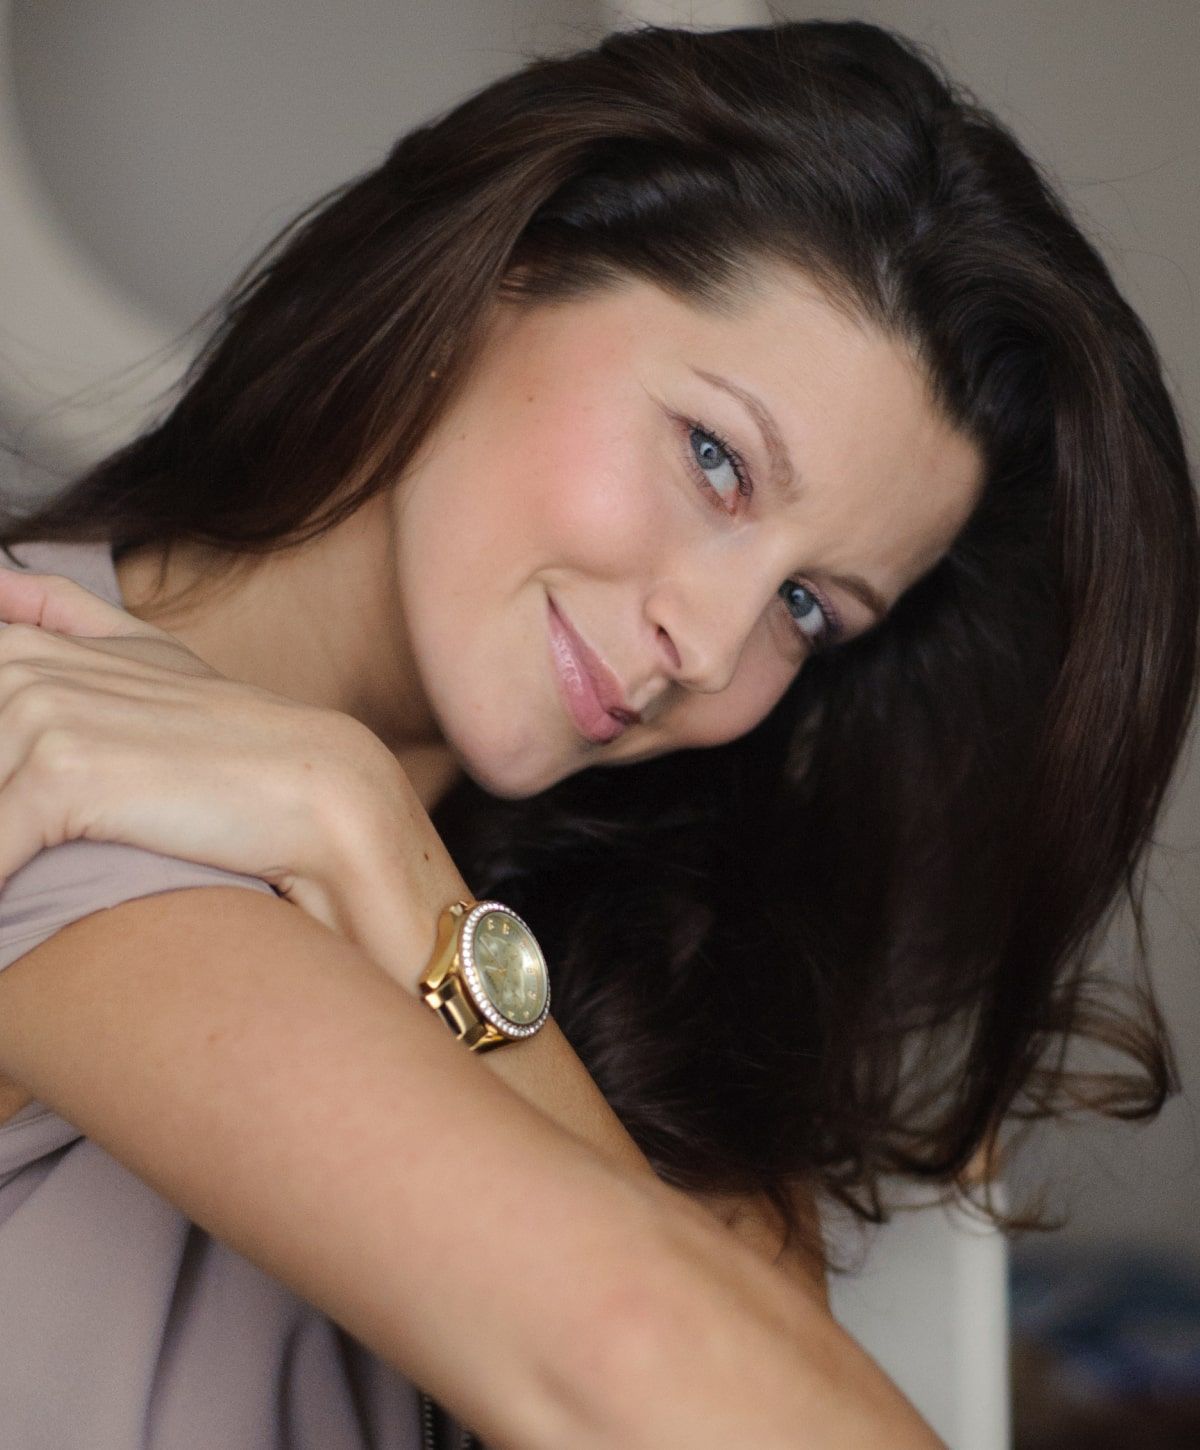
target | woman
x=706, y=493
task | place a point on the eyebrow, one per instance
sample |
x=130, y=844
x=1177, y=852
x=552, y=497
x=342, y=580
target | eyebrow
x=781, y=460
x=781, y=464
x=863, y=592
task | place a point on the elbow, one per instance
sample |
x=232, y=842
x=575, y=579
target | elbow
x=670, y=1346
x=597, y=1381
x=693, y=1340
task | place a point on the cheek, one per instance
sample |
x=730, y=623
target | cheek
x=590, y=500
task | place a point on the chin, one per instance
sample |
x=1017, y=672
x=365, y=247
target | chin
x=505, y=788
x=513, y=778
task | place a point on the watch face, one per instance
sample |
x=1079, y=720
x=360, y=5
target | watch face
x=505, y=969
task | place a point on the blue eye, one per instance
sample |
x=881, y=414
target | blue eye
x=810, y=612
x=720, y=467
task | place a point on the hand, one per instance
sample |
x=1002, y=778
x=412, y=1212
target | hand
x=112, y=730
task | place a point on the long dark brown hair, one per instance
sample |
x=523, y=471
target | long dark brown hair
x=859, y=940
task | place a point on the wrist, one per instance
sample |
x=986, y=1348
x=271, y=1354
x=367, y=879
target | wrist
x=376, y=907
x=386, y=875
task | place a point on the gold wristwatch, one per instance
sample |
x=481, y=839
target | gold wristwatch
x=487, y=976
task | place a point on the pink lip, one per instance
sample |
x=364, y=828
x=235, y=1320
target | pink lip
x=590, y=690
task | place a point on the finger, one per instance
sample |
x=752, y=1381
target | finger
x=144, y=655
x=56, y=603
x=23, y=827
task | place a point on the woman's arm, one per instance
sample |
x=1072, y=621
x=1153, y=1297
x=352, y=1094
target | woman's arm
x=368, y=838
x=268, y=1079
x=111, y=728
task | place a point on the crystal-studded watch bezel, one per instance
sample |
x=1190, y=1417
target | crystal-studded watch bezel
x=479, y=993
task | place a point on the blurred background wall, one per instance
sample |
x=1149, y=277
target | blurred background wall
x=162, y=143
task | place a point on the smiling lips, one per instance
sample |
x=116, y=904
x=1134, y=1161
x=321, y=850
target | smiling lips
x=590, y=690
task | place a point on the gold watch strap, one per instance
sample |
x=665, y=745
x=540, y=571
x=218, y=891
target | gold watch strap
x=454, y=1006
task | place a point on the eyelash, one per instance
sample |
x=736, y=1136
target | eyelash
x=833, y=625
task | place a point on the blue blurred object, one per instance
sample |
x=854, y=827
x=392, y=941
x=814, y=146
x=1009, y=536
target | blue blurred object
x=1117, y=1324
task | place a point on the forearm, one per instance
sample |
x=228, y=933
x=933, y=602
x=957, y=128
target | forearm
x=695, y=1338
x=388, y=905
x=269, y=1081
x=544, y=1070
x=383, y=886
x=386, y=898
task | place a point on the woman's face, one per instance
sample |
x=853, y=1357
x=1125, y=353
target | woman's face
x=693, y=492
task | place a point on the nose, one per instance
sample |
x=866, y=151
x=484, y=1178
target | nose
x=704, y=619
